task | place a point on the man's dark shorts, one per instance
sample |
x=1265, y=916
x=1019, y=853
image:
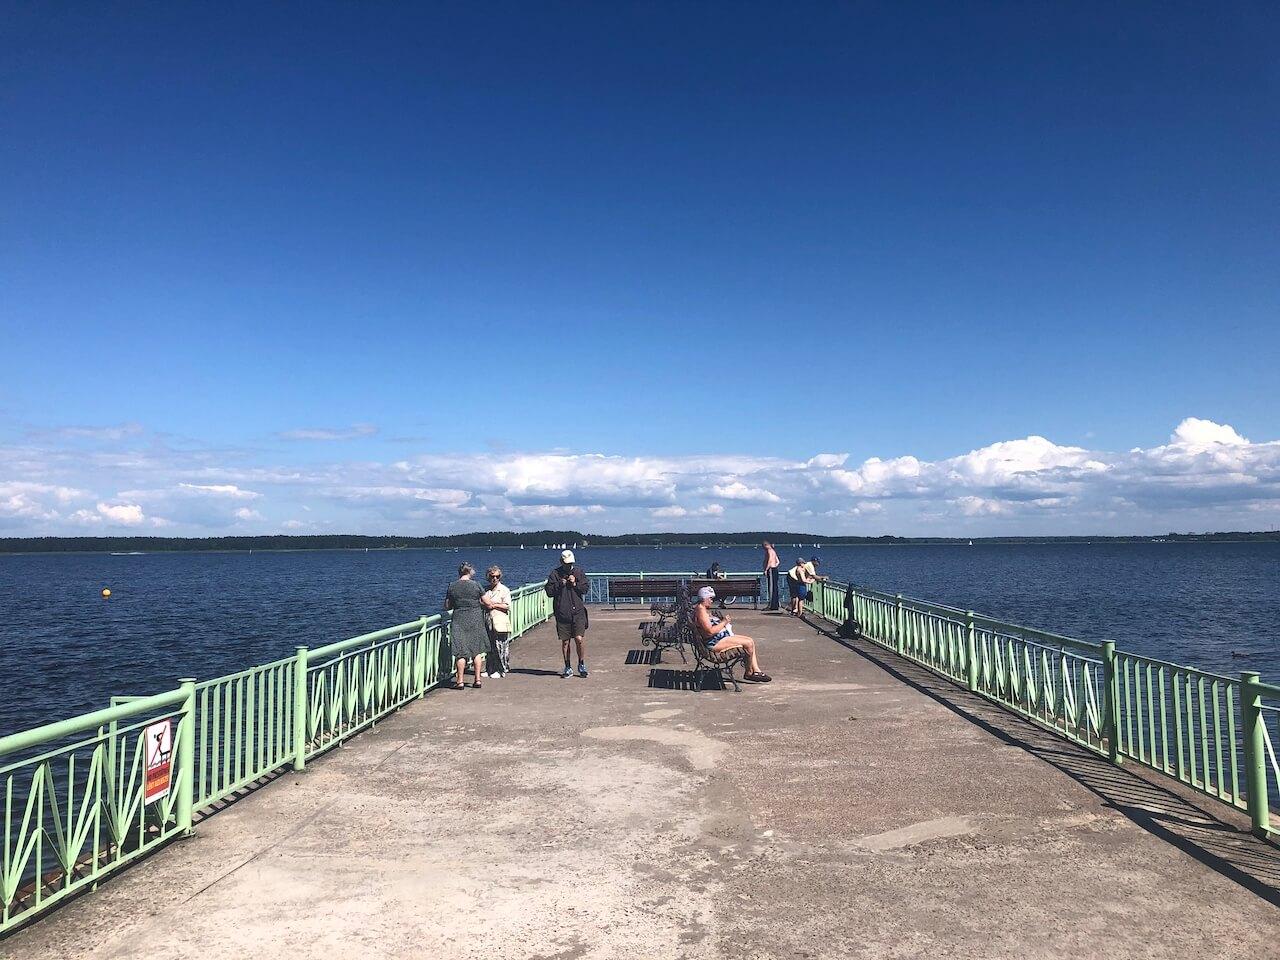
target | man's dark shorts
x=567, y=630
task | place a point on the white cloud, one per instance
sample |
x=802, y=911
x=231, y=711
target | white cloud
x=126, y=514
x=329, y=434
x=119, y=432
x=24, y=500
x=1207, y=476
x=668, y=512
x=972, y=506
x=1196, y=432
x=737, y=490
x=229, y=490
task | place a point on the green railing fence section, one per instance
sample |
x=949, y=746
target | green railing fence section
x=79, y=803
x=1213, y=733
x=76, y=799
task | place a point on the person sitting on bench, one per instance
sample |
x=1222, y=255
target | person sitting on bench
x=717, y=633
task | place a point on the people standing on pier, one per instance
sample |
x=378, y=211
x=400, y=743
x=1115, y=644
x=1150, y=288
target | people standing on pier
x=771, y=565
x=468, y=638
x=798, y=580
x=567, y=586
x=718, y=634
x=497, y=605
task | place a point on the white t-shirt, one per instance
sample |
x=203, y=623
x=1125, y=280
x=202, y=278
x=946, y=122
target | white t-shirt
x=499, y=620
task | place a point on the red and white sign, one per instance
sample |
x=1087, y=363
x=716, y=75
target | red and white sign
x=158, y=749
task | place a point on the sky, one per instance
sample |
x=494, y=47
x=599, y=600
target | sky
x=918, y=269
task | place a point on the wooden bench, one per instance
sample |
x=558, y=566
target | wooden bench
x=664, y=636
x=637, y=589
x=725, y=589
x=720, y=662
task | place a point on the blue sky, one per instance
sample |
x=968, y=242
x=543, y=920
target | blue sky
x=476, y=266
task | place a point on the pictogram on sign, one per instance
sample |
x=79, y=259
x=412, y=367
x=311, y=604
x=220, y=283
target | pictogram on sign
x=158, y=748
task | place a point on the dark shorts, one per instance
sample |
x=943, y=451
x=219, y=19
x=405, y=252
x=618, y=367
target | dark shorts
x=567, y=630
x=798, y=590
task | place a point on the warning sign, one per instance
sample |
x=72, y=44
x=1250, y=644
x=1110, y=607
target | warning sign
x=158, y=747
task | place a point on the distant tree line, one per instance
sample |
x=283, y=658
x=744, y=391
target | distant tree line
x=536, y=538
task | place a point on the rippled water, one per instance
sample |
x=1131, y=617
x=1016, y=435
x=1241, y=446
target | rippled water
x=1212, y=605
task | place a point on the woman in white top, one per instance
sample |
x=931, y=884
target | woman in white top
x=497, y=605
x=798, y=579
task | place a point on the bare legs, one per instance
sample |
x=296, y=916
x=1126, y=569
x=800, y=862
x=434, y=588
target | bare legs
x=580, y=643
x=460, y=670
x=747, y=644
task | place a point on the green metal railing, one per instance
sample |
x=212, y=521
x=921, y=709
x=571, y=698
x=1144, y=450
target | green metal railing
x=75, y=807
x=74, y=799
x=74, y=791
x=1213, y=733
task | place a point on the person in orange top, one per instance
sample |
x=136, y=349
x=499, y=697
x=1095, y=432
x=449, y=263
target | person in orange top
x=718, y=634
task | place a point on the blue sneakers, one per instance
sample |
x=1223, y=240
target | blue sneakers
x=582, y=668
x=567, y=672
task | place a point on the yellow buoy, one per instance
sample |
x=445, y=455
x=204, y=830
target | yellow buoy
x=105, y=593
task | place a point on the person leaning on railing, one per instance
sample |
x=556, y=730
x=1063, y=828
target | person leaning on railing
x=468, y=638
x=798, y=579
x=717, y=632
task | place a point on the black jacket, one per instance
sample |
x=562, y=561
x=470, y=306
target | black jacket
x=569, y=602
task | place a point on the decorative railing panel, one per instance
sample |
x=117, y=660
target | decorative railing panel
x=244, y=728
x=78, y=803
x=1213, y=733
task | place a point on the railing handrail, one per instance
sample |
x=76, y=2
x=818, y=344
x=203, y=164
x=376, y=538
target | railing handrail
x=58, y=729
x=373, y=637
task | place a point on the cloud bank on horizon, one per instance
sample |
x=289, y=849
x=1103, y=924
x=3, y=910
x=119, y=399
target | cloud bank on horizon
x=124, y=480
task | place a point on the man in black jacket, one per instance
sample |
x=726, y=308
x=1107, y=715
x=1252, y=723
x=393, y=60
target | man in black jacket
x=567, y=586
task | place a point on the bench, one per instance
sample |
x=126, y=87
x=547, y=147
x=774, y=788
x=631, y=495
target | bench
x=664, y=636
x=637, y=589
x=729, y=589
x=720, y=662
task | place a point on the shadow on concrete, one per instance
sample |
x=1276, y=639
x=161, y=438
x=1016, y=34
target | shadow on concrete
x=1181, y=818
x=642, y=656
x=534, y=672
x=686, y=680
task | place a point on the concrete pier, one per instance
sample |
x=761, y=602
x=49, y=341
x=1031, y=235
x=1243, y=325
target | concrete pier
x=856, y=807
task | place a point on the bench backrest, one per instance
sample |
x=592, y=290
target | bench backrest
x=643, y=588
x=728, y=588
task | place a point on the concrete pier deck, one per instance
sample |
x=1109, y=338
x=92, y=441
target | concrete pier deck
x=856, y=807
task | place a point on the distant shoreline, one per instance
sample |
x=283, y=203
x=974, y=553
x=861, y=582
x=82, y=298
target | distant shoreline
x=553, y=538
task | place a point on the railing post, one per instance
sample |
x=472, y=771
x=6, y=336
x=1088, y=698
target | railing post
x=422, y=659
x=971, y=647
x=186, y=759
x=300, y=710
x=1111, y=701
x=898, y=630
x=1255, y=753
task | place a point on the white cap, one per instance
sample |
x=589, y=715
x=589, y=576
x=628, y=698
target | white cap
x=566, y=556
x=706, y=593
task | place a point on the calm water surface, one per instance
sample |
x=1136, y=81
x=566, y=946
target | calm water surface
x=1215, y=605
